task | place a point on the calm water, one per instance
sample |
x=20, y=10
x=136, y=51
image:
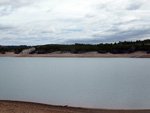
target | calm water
x=87, y=82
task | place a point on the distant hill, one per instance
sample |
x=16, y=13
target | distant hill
x=115, y=48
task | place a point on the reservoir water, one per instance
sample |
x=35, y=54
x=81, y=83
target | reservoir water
x=118, y=83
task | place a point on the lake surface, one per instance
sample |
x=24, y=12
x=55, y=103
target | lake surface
x=122, y=83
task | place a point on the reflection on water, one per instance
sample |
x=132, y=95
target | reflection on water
x=87, y=82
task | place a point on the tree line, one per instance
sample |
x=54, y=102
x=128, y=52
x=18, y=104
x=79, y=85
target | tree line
x=115, y=48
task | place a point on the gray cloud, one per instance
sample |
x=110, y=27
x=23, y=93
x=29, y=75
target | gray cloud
x=8, y=6
x=5, y=27
x=71, y=30
x=134, y=6
x=47, y=31
x=123, y=35
x=5, y=10
x=128, y=35
x=89, y=16
x=15, y=3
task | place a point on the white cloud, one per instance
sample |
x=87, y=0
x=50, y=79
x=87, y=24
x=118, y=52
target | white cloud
x=69, y=21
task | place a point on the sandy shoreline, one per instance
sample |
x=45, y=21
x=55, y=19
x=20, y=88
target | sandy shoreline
x=29, y=107
x=139, y=54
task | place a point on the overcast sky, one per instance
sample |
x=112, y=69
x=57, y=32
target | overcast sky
x=32, y=22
